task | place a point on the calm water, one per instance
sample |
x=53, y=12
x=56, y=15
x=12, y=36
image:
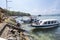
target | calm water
x=45, y=34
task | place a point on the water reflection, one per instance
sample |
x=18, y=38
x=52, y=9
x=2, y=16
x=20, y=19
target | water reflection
x=49, y=30
x=47, y=34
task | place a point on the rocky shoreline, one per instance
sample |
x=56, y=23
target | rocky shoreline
x=10, y=29
x=13, y=32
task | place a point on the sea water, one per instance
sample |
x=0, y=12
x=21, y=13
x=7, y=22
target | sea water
x=45, y=34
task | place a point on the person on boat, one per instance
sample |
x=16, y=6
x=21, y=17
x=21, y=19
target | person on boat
x=31, y=19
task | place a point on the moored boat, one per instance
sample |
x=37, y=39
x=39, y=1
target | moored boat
x=47, y=23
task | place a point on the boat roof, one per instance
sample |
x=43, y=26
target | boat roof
x=49, y=20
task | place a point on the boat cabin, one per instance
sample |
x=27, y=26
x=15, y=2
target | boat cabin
x=48, y=22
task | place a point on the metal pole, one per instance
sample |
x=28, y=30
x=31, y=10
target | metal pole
x=6, y=5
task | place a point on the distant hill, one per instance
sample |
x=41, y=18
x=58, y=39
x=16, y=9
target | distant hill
x=39, y=15
x=14, y=13
x=58, y=14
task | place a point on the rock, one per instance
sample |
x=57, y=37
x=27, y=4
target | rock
x=11, y=38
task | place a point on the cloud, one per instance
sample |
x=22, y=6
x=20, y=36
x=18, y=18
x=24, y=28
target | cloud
x=45, y=11
x=53, y=9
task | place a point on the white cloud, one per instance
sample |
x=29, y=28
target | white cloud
x=51, y=10
x=45, y=11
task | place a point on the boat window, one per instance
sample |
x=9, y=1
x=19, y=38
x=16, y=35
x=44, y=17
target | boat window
x=52, y=22
x=48, y=22
x=45, y=22
x=40, y=22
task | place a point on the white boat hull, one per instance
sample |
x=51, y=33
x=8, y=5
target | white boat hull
x=45, y=26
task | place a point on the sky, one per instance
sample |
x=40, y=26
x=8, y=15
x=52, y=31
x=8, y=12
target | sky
x=34, y=7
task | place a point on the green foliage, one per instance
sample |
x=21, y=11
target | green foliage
x=14, y=13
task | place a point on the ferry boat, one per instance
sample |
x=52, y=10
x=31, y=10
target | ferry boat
x=47, y=23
